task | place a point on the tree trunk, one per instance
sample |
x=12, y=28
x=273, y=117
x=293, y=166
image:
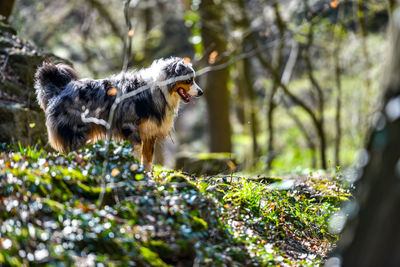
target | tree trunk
x=365, y=100
x=338, y=80
x=310, y=73
x=217, y=95
x=148, y=24
x=286, y=71
x=391, y=6
x=252, y=106
x=271, y=153
x=247, y=71
x=6, y=7
x=338, y=114
x=239, y=104
x=373, y=237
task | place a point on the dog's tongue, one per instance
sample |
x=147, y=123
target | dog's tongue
x=185, y=95
x=190, y=99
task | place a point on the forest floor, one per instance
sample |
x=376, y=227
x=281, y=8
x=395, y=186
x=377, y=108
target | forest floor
x=59, y=209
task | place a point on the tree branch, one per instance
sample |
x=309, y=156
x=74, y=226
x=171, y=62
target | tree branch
x=105, y=14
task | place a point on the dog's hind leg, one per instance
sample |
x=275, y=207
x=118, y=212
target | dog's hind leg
x=147, y=153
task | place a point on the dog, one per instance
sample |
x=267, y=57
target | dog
x=142, y=118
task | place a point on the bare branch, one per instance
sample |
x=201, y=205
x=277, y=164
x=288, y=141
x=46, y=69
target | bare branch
x=289, y=67
x=55, y=24
x=128, y=45
x=105, y=14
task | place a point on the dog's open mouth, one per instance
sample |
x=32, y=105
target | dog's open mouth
x=185, y=96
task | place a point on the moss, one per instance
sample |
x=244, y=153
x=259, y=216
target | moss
x=7, y=28
x=54, y=205
x=42, y=190
x=187, y=249
x=334, y=199
x=180, y=179
x=62, y=188
x=118, y=232
x=239, y=254
x=161, y=248
x=199, y=224
x=13, y=261
x=206, y=163
x=176, y=178
x=92, y=192
x=73, y=174
x=152, y=258
x=206, y=156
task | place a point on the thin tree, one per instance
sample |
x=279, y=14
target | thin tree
x=338, y=32
x=246, y=72
x=365, y=101
x=217, y=95
x=319, y=114
x=271, y=104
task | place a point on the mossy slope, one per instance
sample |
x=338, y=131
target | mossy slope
x=50, y=213
x=58, y=209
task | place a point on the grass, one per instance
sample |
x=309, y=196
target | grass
x=50, y=213
x=269, y=217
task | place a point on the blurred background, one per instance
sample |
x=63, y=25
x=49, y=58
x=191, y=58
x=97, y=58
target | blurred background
x=290, y=85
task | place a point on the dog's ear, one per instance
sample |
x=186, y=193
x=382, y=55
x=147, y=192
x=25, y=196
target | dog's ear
x=180, y=68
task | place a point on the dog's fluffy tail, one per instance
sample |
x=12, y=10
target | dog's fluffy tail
x=50, y=80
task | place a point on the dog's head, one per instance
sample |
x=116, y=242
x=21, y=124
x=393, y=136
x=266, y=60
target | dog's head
x=182, y=75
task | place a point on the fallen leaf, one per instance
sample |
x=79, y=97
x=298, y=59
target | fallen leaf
x=131, y=32
x=134, y=167
x=334, y=4
x=85, y=208
x=231, y=165
x=212, y=57
x=114, y=172
x=186, y=60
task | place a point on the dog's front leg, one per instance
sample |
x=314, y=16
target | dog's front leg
x=147, y=153
x=131, y=133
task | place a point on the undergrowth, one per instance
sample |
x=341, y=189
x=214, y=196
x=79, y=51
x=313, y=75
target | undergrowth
x=55, y=210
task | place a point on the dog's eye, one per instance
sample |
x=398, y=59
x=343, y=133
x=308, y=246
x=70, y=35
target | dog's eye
x=188, y=81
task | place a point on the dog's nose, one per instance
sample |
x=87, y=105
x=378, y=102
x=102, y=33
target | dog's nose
x=200, y=92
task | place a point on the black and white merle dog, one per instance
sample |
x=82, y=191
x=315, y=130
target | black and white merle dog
x=141, y=118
